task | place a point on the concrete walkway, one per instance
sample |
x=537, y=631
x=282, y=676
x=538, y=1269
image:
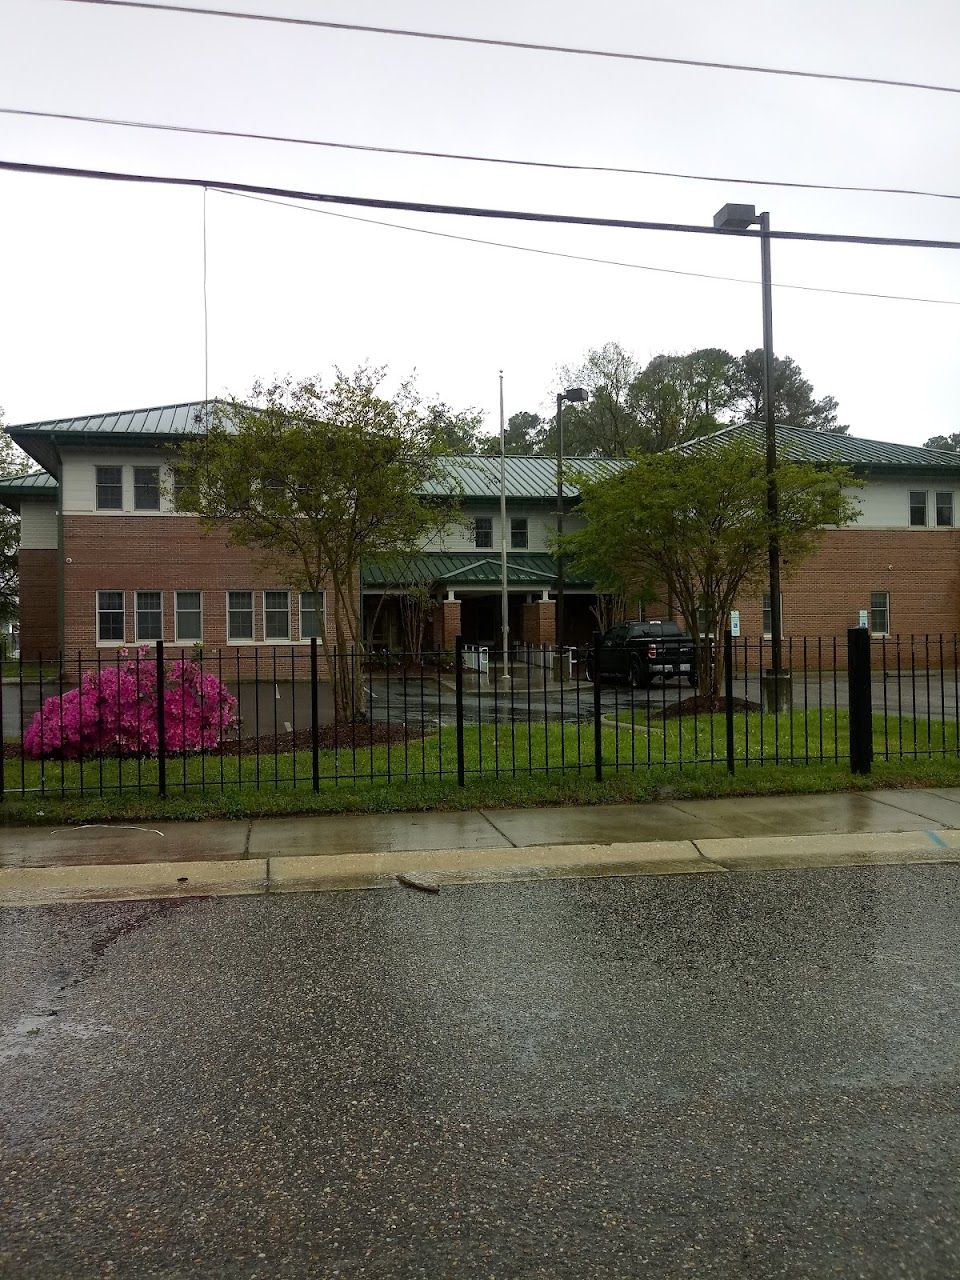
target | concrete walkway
x=371, y=850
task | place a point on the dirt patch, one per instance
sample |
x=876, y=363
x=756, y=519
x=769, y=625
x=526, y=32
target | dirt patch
x=330, y=736
x=705, y=707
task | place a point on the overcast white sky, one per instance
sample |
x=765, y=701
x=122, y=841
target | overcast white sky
x=101, y=284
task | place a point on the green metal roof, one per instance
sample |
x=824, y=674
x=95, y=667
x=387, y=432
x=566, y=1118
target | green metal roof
x=468, y=476
x=462, y=568
x=464, y=476
x=801, y=444
x=34, y=485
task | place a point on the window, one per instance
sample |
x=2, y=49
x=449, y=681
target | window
x=311, y=614
x=945, y=510
x=483, y=532
x=109, y=488
x=276, y=615
x=918, y=509
x=239, y=615
x=518, y=533
x=880, y=613
x=767, y=622
x=189, y=616
x=149, y=613
x=146, y=488
x=109, y=616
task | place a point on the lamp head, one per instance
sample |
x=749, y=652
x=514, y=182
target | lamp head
x=735, y=217
x=575, y=395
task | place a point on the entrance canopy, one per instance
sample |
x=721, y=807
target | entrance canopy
x=464, y=569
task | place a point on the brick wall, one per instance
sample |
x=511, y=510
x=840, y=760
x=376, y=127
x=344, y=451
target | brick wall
x=920, y=569
x=39, y=602
x=160, y=553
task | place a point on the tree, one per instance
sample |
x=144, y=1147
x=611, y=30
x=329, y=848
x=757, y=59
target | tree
x=456, y=431
x=679, y=397
x=523, y=435
x=606, y=425
x=950, y=443
x=13, y=461
x=793, y=401
x=314, y=479
x=694, y=522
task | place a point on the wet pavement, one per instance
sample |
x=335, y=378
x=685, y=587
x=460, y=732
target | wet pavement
x=704, y=1076
x=127, y=843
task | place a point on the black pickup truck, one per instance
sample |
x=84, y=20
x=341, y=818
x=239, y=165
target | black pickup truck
x=638, y=652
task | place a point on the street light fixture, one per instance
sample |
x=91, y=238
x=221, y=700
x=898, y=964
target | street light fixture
x=737, y=217
x=572, y=395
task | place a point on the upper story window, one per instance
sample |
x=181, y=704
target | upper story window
x=109, y=488
x=918, y=509
x=483, y=532
x=945, y=509
x=518, y=533
x=146, y=488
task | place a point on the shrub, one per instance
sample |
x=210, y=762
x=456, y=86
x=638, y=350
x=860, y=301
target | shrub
x=114, y=712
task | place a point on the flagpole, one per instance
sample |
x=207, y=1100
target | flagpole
x=504, y=609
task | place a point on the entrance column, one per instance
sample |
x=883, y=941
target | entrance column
x=447, y=621
x=540, y=621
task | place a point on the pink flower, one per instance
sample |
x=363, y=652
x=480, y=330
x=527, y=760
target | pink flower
x=114, y=713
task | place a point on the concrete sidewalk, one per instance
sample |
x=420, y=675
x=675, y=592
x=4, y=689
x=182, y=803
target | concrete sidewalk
x=371, y=850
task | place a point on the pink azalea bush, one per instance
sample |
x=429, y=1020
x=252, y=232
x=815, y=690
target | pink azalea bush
x=114, y=712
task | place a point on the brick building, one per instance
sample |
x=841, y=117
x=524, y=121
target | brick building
x=106, y=561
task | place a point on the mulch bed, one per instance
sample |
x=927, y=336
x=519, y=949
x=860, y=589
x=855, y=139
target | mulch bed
x=331, y=736
x=706, y=706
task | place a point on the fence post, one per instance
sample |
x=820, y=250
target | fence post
x=597, y=732
x=458, y=677
x=314, y=715
x=161, y=727
x=859, y=696
x=728, y=693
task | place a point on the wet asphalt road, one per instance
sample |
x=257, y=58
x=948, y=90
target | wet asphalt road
x=752, y=1075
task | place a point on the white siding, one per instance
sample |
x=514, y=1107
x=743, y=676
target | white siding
x=541, y=529
x=38, y=526
x=79, y=479
x=885, y=504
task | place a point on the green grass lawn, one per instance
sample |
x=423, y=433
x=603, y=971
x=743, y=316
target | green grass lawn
x=504, y=765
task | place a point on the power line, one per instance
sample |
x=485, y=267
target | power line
x=519, y=44
x=453, y=155
x=579, y=257
x=467, y=211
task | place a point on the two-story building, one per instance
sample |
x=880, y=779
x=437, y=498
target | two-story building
x=106, y=560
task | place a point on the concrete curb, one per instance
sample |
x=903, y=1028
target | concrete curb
x=318, y=873
x=39, y=886
x=765, y=853
x=485, y=866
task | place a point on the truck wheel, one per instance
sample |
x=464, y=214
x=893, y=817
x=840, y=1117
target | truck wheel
x=639, y=676
x=693, y=678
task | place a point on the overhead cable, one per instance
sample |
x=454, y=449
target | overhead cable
x=490, y=41
x=567, y=167
x=468, y=211
x=580, y=257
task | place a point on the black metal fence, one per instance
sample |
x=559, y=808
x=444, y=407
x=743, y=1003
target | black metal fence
x=301, y=717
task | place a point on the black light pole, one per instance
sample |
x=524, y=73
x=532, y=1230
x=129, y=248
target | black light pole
x=739, y=217
x=573, y=395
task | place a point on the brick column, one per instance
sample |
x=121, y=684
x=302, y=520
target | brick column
x=540, y=622
x=446, y=624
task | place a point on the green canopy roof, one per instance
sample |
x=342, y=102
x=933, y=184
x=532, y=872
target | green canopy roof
x=462, y=569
